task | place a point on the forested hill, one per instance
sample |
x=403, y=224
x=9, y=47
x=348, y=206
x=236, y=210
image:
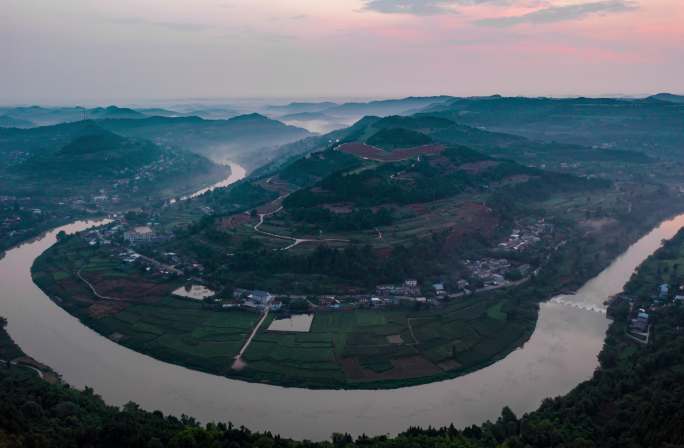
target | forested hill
x=250, y=139
x=447, y=126
x=84, y=152
x=652, y=125
x=634, y=400
x=100, y=153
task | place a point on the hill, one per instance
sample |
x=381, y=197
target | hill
x=47, y=116
x=385, y=107
x=669, y=97
x=394, y=131
x=51, y=174
x=326, y=116
x=250, y=140
x=301, y=107
x=651, y=127
x=84, y=152
x=7, y=121
x=100, y=153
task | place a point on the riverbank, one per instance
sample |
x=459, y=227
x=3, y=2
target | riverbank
x=13, y=358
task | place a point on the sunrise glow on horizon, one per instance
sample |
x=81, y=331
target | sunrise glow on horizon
x=87, y=50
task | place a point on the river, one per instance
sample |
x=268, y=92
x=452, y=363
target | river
x=561, y=353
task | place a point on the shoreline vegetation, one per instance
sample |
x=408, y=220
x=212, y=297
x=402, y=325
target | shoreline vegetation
x=633, y=399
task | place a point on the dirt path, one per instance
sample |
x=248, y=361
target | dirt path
x=410, y=327
x=94, y=291
x=239, y=364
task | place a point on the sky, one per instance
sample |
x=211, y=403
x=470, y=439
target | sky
x=124, y=51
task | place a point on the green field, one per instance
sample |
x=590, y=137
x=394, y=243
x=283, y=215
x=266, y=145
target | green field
x=360, y=348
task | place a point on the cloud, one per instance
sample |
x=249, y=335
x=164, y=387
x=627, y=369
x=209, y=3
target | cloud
x=415, y=7
x=174, y=26
x=435, y=7
x=552, y=14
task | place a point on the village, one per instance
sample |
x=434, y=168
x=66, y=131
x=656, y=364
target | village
x=133, y=244
x=525, y=235
x=23, y=216
x=640, y=322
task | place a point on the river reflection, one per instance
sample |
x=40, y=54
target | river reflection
x=561, y=353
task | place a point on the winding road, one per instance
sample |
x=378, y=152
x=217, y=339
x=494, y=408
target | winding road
x=295, y=241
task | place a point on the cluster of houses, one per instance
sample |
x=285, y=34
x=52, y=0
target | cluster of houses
x=143, y=235
x=526, y=236
x=409, y=288
x=493, y=272
x=640, y=323
x=252, y=300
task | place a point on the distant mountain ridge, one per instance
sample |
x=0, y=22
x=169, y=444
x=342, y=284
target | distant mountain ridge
x=45, y=116
x=669, y=97
x=648, y=125
x=250, y=139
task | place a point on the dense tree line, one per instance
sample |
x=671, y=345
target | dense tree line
x=357, y=219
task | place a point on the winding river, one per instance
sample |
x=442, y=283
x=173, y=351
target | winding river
x=561, y=353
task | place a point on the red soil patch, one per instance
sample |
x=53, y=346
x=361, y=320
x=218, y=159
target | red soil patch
x=408, y=367
x=383, y=252
x=103, y=309
x=514, y=180
x=420, y=209
x=478, y=167
x=441, y=162
x=472, y=218
x=275, y=184
x=270, y=207
x=129, y=288
x=231, y=222
x=374, y=153
x=76, y=290
x=339, y=208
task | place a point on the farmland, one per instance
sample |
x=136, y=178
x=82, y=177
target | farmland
x=359, y=348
